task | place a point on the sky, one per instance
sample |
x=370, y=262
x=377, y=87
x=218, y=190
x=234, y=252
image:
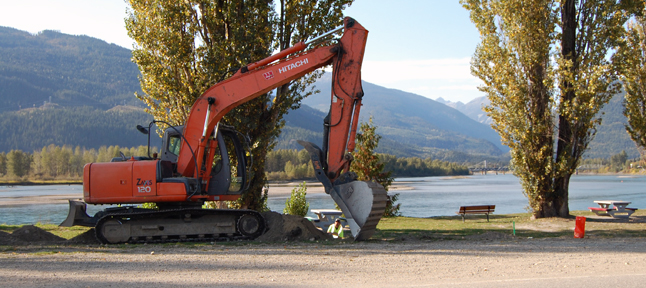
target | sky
x=418, y=46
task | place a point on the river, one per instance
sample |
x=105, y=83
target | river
x=427, y=196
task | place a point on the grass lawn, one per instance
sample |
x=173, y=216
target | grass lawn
x=64, y=232
x=437, y=228
x=453, y=227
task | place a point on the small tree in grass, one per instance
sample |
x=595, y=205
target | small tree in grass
x=368, y=166
x=296, y=203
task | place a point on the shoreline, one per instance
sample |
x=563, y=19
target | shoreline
x=276, y=190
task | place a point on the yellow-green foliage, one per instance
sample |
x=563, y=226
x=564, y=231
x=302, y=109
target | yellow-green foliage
x=289, y=164
x=296, y=204
x=632, y=62
x=546, y=73
x=56, y=162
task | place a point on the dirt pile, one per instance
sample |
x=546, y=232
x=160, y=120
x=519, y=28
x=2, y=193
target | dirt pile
x=87, y=237
x=33, y=234
x=7, y=239
x=290, y=228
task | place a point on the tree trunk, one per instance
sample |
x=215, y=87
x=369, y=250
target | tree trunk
x=562, y=187
x=564, y=148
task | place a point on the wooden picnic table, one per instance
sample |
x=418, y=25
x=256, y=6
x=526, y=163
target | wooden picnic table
x=326, y=217
x=613, y=208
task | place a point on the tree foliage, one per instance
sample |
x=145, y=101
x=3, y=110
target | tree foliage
x=545, y=70
x=187, y=46
x=60, y=162
x=418, y=167
x=18, y=163
x=290, y=164
x=3, y=163
x=369, y=167
x=631, y=58
x=296, y=204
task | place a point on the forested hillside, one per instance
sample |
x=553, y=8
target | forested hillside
x=32, y=129
x=67, y=90
x=412, y=125
x=611, y=137
x=62, y=89
x=65, y=70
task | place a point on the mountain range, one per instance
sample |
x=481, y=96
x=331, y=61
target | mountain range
x=611, y=137
x=64, y=69
x=76, y=90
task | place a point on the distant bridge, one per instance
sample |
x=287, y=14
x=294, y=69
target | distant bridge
x=482, y=168
x=588, y=167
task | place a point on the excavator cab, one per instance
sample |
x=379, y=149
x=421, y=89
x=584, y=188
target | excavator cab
x=224, y=180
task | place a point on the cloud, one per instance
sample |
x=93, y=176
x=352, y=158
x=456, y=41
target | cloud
x=473, y=88
x=429, y=69
x=450, y=79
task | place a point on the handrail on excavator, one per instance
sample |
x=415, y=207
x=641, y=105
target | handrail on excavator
x=300, y=46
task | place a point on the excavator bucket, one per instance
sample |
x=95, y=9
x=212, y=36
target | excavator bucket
x=362, y=203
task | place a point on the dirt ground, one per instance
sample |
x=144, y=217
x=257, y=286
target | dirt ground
x=484, y=261
x=293, y=255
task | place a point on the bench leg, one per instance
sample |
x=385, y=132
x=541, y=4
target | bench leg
x=487, y=217
x=463, y=217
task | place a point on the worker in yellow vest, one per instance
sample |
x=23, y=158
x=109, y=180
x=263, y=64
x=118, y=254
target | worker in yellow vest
x=336, y=229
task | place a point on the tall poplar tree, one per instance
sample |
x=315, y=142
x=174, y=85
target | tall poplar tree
x=18, y=163
x=184, y=47
x=631, y=58
x=545, y=70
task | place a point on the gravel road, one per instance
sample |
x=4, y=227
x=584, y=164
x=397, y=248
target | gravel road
x=485, y=261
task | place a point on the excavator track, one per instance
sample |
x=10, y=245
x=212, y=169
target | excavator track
x=180, y=225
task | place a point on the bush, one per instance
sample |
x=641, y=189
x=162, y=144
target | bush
x=296, y=203
x=392, y=209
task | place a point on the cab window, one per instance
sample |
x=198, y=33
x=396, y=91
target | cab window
x=174, y=144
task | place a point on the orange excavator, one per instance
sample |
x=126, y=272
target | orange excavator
x=204, y=160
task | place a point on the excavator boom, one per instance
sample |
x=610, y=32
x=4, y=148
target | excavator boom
x=186, y=176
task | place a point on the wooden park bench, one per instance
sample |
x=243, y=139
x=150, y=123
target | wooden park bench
x=482, y=209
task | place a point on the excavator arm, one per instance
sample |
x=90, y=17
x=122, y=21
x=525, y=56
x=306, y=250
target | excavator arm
x=363, y=203
x=261, y=77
